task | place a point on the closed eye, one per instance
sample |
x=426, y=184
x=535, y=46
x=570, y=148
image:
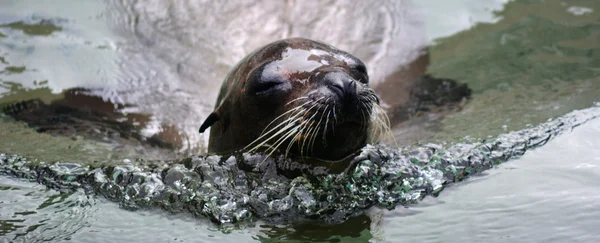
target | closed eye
x=361, y=68
x=266, y=85
x=360, y=73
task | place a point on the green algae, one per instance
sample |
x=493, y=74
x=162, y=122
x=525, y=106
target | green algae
x=42, y=28
x=17, y=92
x=538, y=61
x=13, y=70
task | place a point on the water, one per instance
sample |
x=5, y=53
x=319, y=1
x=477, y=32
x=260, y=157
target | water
x=548, y=195
x=544, y=196
x=528, y=62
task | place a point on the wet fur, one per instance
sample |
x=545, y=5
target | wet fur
x=81, y=114
x=300, y=121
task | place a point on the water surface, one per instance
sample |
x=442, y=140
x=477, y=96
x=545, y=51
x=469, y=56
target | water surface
x=526, y=61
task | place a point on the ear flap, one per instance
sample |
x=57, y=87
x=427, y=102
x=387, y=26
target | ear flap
x=210, y=120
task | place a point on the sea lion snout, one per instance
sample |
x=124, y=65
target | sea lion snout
x=346, y=90
x=297, y=96
x=342, y=85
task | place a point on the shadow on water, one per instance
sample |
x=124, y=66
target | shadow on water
x=355, y=227
x=79, y=114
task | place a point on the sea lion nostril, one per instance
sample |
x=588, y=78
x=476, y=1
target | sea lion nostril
x=350, y=88
x=341, y=84
x=338, y=89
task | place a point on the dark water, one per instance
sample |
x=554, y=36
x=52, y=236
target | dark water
x=529, y=61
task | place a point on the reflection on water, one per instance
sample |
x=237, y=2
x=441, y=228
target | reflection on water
x=35, y=213
x=154, y=59
x=564, y=185
x=196, y=47
x=538, y=59
x=549, y=195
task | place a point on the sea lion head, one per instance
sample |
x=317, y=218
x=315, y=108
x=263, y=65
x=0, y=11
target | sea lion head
x=296, y=96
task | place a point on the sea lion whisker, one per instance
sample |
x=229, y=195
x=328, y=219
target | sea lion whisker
x=387, y=126
x=282, y=139
x=265, y=143
x=376, y=125
x=366, y=110
x=335, y=120
x=321, y=119
x=289, y=147
x=278, y=143
x=309, y=127
x=310, y=123
x=287, y=135
x=326, y=126
x=363, y=120
x=297, y=131
x=311, y=134
x=283, y=123
x=263, y=133
x=372, y=98
x=308, y=102
x=303, y=127
x=300, y=98
x=285, y=113
x=323, y=112
x=289, y=119
x=314, y=136
x=287, y=126
x=382, y=122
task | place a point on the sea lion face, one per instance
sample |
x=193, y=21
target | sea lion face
x=297, y=96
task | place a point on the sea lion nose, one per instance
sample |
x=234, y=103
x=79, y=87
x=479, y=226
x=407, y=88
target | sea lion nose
x=342, y=85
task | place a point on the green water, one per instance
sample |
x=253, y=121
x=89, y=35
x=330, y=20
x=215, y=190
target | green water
x=538, y=61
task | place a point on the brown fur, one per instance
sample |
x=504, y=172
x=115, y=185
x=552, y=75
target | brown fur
x=241, y=115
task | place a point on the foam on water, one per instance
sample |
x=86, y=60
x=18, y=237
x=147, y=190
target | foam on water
x=245, y=187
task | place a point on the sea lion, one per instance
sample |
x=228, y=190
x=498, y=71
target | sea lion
x=297, y=96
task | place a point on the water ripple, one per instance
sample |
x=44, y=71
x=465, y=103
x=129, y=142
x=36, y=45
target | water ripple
x=240, y=188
